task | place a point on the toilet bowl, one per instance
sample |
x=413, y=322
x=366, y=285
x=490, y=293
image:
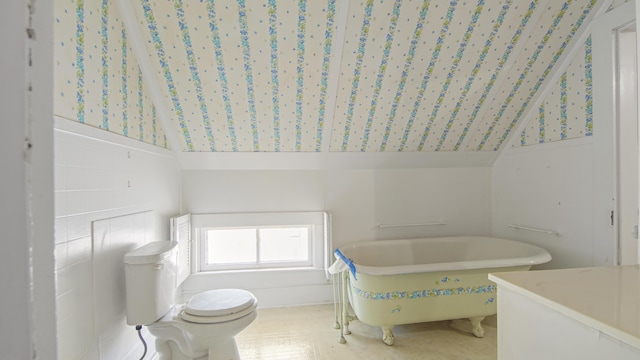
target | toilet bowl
x=203, y=328
x=206, y=326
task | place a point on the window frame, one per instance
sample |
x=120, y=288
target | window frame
x=318, y=241
x=259, y=263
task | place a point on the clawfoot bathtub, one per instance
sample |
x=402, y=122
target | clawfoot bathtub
x=395, y=282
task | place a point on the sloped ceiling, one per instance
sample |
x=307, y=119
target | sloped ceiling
x=332, y=76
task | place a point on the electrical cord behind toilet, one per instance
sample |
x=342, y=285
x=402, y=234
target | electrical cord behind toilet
x=139, y=328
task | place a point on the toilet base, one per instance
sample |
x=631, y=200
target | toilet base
x=181, y=340
x=170, y=350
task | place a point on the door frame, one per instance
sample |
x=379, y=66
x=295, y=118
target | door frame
x=605, y=126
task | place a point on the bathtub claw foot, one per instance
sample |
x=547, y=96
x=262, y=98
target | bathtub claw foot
x=478, y=330
x=347, y=320
x=387, y=335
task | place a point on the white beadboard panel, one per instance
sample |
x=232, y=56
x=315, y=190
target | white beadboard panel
x=104, y=176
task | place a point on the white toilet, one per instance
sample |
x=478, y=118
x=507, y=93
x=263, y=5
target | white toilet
x=203, y=328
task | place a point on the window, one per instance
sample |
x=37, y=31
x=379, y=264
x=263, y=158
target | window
x=260, y=241
x=258, y=247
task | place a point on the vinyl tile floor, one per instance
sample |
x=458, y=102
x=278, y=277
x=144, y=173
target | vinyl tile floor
x=307, y=333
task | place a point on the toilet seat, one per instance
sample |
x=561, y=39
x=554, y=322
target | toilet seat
x=215, y=306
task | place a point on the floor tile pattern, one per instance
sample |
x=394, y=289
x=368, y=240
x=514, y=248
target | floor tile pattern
x=307, y=333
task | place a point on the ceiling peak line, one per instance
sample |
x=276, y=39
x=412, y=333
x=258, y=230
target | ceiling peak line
x=144, y=60
x=516, y=47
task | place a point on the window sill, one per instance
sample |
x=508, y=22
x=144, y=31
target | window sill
x=272, y=287
x=257, y=270
x=254, y=279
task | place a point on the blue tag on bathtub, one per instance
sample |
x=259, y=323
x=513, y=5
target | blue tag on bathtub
x=346, y=260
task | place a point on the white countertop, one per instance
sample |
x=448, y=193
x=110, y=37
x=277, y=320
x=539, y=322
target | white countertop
x=605, y=298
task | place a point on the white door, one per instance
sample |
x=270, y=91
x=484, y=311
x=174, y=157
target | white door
x=626, y=95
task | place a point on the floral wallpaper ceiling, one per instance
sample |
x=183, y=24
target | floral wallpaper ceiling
x=347, y=76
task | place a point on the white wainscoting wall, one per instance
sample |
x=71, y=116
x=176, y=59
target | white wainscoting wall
x=553, y=187
x=100, y=177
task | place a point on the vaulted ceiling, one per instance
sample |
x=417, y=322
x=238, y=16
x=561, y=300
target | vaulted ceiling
x=349, y=75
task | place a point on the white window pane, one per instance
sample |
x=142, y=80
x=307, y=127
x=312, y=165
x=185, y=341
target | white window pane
x=231, y=246
x=284, y=244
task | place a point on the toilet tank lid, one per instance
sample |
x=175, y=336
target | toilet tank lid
x=150, y=253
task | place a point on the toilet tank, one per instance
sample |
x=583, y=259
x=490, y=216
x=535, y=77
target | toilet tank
x=150, y=278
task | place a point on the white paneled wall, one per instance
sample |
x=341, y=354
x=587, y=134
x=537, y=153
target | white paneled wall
x=552, y=187
x=357, y=199
x=111, y=240
x=99, y=178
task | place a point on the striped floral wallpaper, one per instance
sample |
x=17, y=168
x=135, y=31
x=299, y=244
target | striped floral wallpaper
x=567, y=112
x=325, y=75
x=97, y=79
x=467, y=76
x=243, y=75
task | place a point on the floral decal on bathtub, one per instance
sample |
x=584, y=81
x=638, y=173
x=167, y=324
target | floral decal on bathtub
x=489, y=301
x=417, y=294
x=447, y=279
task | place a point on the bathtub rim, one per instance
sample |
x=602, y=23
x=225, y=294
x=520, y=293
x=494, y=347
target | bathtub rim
x=541, y=256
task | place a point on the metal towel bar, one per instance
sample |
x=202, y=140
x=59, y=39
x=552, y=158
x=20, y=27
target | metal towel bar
x=520, y=227
x=440, y=222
